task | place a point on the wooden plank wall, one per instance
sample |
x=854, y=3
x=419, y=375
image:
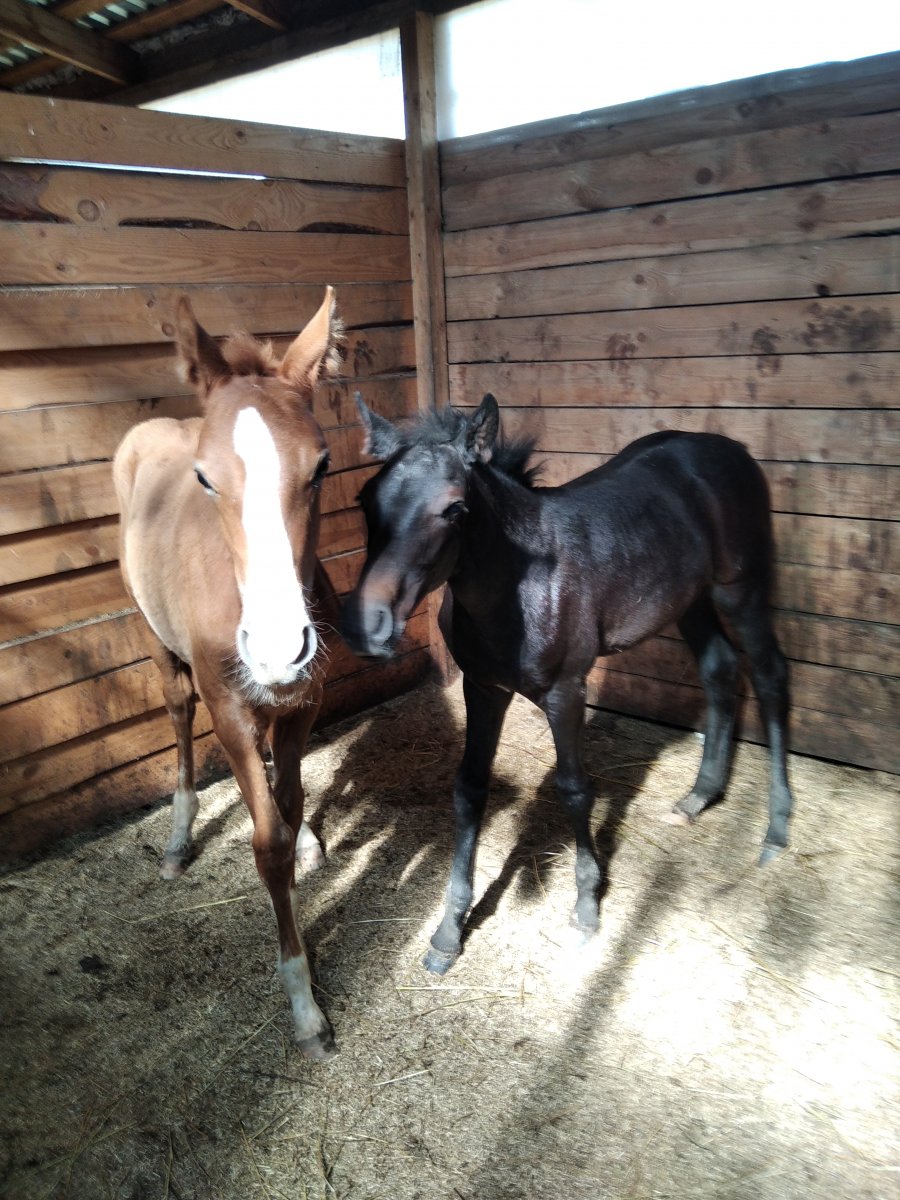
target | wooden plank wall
x=729, y=261
x=91, y=263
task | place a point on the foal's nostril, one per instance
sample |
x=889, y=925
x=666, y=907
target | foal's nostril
x=243, y=644
x=268, y=660
x=379, y=623
x=308, y=649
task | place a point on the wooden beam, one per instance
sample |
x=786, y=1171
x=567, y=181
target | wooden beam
x=33, y=127
x=424, y=202
x=273, y=13
x=46, y=31
x=780, y=99
x=426, y=251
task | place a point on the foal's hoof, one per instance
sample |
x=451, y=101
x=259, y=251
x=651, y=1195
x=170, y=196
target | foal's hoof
x=439, y=962
x=173, y=866
x=583, y=930
x=310, y=858
x=688, y=809
x=320, y=1047
x=676, y=817
x=769, y=852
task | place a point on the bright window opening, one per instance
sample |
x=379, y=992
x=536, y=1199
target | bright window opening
x=510, y=62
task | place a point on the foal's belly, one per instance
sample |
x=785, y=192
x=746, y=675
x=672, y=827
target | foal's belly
x=622, y=634
x=644, y=614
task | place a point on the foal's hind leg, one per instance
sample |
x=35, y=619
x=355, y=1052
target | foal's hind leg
x=752, y=620
x=178, y=691
x=289, y=738
x=717, y=663
x=310, y=855
x=564, y=706
x=485, y=709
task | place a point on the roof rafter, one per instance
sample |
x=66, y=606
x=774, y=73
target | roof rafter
x=141, y=25
x=47, y=31
x=274, y=13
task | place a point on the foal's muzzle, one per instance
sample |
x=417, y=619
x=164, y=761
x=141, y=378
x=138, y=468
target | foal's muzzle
x=270, y=665
x=369, y=629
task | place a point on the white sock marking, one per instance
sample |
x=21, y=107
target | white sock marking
x=297, y=981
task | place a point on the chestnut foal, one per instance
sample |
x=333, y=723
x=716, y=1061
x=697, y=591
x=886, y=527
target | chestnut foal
x=219, y=527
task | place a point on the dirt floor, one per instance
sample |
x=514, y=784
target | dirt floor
x=729, y=1033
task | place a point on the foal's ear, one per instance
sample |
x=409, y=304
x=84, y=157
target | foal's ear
x=200, y=355
x=313, y=352
x=482, y=431
x=381, y=438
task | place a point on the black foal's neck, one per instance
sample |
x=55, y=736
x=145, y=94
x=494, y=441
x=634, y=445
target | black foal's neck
x=498, y=535
x=499, y=499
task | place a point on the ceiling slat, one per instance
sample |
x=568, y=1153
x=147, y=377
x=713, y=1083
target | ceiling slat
x=162, y=16
x=45, y=30
x=70, y=9
x=141, y=25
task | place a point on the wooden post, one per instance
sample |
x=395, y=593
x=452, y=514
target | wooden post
x=426, y=248
x=424, y=198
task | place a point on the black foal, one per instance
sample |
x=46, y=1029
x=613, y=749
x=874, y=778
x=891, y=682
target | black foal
x=542, y=581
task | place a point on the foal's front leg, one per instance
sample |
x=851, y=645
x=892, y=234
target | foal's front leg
x=485, y=710
x=241, y=732
x=564, y=706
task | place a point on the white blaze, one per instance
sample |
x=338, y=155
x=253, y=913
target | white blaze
x=275, y=618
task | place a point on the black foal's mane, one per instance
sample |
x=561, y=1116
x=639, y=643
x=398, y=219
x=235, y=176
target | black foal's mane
x=441, y=426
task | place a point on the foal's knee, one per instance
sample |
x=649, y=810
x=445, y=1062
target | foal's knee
x=719, y=667
x=771, y=678
x=178, y=693
x=273, y=849
x=575, y=794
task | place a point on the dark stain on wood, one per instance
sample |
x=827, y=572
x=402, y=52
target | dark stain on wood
x=768, y=365
x=764, y=341
x=363, y=356
x=846, y=327
x=759, y=106
x=810, y=211
x=620, y=346
x=49, y=509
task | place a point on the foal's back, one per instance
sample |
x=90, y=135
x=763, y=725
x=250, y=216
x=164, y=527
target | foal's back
x=672, y=517
x=670, y=486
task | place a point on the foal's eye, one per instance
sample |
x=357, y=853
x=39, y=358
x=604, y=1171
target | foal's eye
x=321, y=469
x=454, y=511
x=204, y=482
